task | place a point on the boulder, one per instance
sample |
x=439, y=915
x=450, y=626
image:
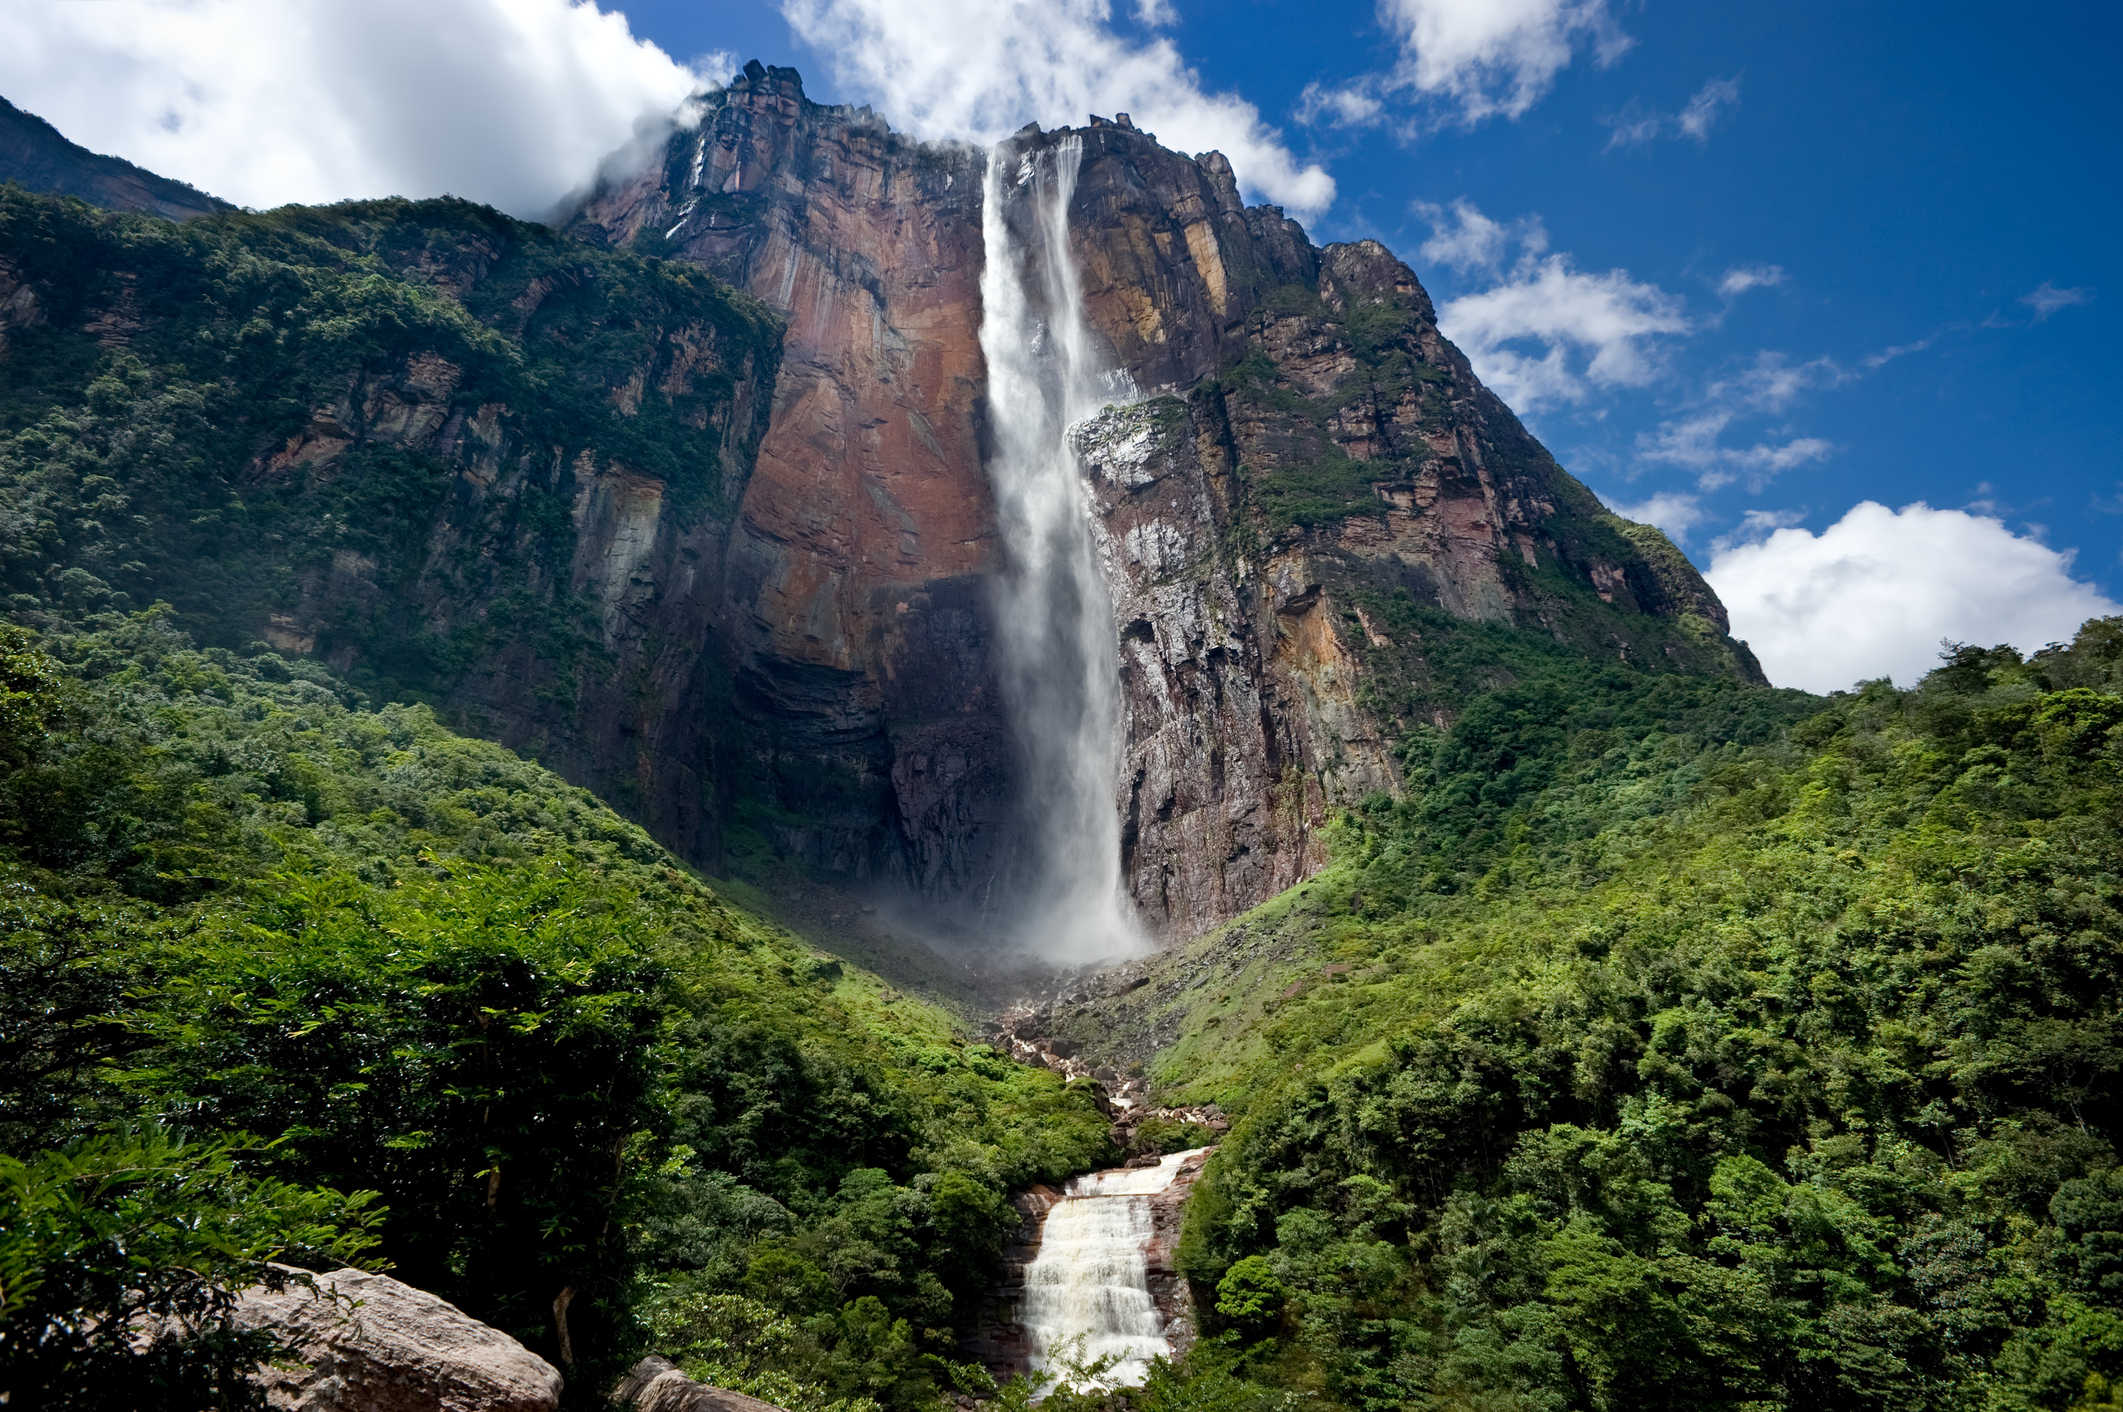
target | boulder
x=655, y=1385
x=368, y=1343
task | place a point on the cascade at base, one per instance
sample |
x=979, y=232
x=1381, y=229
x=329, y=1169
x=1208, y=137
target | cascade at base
x=1096, y=1277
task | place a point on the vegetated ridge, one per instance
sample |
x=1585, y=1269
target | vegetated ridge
x=38, y=157
x=1679, y=1043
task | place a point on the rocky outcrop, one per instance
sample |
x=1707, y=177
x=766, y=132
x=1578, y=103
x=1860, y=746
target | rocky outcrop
x=367, y=1343
x=34, y=153
x=1240, y=723
x=656, y=1385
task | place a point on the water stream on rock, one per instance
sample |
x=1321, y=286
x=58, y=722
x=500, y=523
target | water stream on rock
x=1087, y=1292
x=1059, y=653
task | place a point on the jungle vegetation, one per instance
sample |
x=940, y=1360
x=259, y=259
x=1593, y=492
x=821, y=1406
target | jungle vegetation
x=1673, y=1042
x=287, y=978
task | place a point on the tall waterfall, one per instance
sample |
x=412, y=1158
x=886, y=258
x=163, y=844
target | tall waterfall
x=1059, y=653
x=1087, y=1292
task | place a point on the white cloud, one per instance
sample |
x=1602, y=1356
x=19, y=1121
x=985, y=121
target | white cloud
x=1634, y=125
x=1703, y=109
x=1696, y=441
x=1887, y=355
x=1156, y=13
x=1479, y=59
x=1741, y=278
x=979, y=69
x=1547, y=331
x=2045, y=299
x=1754, y=527
x=1465, y=239
x=1352, y=105
x=1874, y=593
x=510, y=102
x=1773, y=383
x=1674, y=513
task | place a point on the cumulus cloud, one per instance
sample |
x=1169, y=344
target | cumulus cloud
x=1873, y=594
x=1635, y=125
x=2045, y=299
x=510, y=102
x=1464, y=239
x=1477, y=59
x=980, y=69
x=1547, y=331
x=1741, y=278
x=1754, y=527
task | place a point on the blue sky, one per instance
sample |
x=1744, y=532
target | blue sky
x=1907, y=174
x=1741, y=266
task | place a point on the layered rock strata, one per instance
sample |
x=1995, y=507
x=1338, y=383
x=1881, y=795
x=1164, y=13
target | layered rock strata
x=854, y=599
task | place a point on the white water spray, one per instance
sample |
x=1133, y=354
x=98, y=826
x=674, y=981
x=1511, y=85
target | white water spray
x=1087, y=1292
x=1059, y=654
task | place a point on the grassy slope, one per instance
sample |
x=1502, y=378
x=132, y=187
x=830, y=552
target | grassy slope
x=241, y=900
x=1693, y=1049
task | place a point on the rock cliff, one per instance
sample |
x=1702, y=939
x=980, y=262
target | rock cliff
x=725, y=556
x=1317, y=470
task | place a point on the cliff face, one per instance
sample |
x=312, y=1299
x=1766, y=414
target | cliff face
x=456, y=457
x=855, y=601
x=1322, y=461
x=1321, y=471
x=725, y=557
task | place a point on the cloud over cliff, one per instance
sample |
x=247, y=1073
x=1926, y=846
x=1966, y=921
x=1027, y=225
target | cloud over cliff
x=510, y=102
x=981, y=68
x=1873, y=594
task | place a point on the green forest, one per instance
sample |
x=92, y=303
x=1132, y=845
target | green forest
x=1680, y=1043
x=286, y=977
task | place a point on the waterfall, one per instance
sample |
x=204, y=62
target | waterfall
x=1059, y=654
x=1087, y=1292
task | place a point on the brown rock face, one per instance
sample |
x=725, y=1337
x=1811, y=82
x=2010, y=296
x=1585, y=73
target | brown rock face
x=1333, y=467
x=367, y=1343
x=1324, y=477
x=854, y=597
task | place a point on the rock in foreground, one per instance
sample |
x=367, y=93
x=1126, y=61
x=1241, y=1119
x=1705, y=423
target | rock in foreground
x=656, y=1385
x=369, y=1343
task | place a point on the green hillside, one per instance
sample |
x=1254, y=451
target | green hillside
x=263, y=948
x=1679, y=1043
